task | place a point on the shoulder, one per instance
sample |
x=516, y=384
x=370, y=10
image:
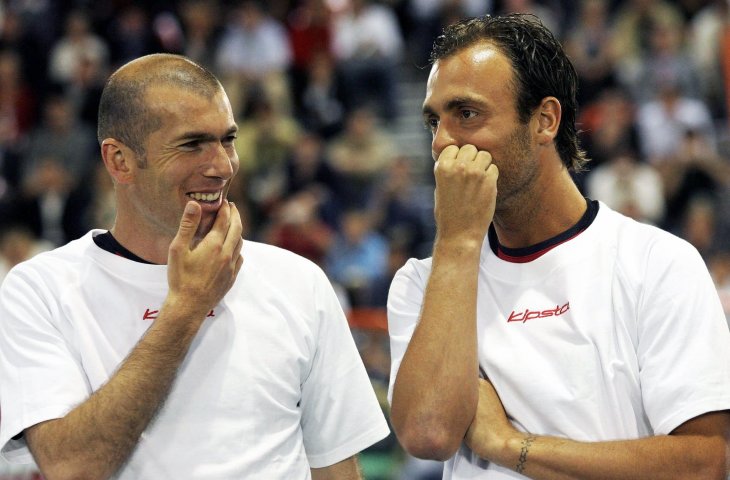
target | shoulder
x=263, y=253
x=644, y=251
x=57, y=264
x=277, y=263
x=409, y=284
x=39, y=284
x=634, y=238
x=414, y=271
x=641, y=238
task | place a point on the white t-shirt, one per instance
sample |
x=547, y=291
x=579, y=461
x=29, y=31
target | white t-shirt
x=271, y=386
x=617, y=333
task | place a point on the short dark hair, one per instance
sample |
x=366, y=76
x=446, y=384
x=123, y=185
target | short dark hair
x=540, y=66
x=124, y=112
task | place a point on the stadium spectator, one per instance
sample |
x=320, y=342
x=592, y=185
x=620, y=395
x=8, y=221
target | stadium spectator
x=201, y=30
x=320, y=99
x=665, y=62
x=32, y=53
x=663, y=122
x=253, y=55
x=629, y=186
x=361, y=155
x=78, y=44
x=588, y=43
x=633, y=22
x=130, y=34
x=358, y=256
x=17, y=101
x=266, y=137
x=368, y=45
x=707, y=46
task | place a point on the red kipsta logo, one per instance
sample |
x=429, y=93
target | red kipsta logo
x=533, y=314
x=152, y=314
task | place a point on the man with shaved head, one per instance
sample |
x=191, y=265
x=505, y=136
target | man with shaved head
x=168, y=347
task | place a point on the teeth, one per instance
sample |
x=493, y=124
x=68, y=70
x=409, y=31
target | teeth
x=204, y=197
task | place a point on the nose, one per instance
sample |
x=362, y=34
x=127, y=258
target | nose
x=442, y=138
x=222, y=161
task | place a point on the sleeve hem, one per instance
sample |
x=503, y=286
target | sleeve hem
x=16, y=451
x=349, y=449
x=690, y=412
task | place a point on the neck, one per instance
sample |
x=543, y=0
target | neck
x=153, y=248
x=139, y=237
x=547, y=209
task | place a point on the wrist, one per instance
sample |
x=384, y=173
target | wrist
x=454, y=248
x=499, y=445
x=183, y=310
x=516, y=453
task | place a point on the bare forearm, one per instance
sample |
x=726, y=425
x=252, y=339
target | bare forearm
x=697, y=449
x=666, y=457
x=436, y=388
x=347, y=469
x=435, y=393
x=97, y=437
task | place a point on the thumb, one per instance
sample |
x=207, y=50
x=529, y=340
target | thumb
x=189, y=223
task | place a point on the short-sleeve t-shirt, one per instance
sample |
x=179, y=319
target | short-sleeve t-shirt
x=617, y=333
x=272, y=385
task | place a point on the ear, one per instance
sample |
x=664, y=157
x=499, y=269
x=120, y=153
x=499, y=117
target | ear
x=119, y=160
x=548, y=116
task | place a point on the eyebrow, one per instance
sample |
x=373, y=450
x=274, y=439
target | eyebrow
x=205, y=136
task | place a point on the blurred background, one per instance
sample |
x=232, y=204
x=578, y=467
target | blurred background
x=335, y=162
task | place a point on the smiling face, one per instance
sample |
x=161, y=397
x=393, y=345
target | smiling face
x=471, y=99
x=189, y=157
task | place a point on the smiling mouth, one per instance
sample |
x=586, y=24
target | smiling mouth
x=204, y=197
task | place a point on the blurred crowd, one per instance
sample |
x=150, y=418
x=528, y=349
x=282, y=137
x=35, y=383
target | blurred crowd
x=317, y=89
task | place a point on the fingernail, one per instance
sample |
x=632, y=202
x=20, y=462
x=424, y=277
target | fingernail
x=190, y=208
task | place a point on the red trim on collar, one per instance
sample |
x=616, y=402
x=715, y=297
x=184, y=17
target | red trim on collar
x=532, y=256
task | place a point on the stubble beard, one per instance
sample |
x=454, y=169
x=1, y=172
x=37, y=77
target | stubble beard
x=517, y=172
